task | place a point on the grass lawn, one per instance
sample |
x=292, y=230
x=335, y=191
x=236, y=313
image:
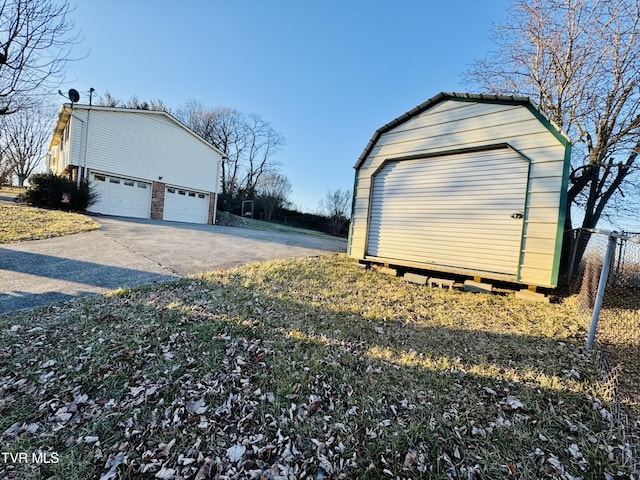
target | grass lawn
x=19, y=223
x=230, y=220
x=10, y=190
x=312, y=368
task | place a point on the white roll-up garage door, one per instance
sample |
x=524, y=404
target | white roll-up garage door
x=462, y=211
x=182, y=205
x=121, y=196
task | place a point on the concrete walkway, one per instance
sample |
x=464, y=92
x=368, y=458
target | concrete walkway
x=132, y=252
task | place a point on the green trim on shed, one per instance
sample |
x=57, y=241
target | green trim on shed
x=464, y=97
x=562, y=214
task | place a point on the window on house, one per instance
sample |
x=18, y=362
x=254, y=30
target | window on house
x=128, y=183
x=171, y=190
x=181, y=192
x=201, y=195
x=192, y=194
x=64, y=137
x=142, y=185
x=114, y=180
x=99, y=178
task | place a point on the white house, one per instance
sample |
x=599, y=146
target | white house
x=141, y=163
x=466, y=184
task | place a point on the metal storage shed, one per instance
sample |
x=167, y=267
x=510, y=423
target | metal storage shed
x=465, y=184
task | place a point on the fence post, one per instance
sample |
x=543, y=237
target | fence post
x=602, y=285
x=574, y=249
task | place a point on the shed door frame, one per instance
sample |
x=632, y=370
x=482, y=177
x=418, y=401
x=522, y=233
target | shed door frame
x=481, y=149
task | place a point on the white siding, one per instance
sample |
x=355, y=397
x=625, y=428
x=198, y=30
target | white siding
x=68, y=150
x=452, y=125
x=75, y=140
x=148, y=145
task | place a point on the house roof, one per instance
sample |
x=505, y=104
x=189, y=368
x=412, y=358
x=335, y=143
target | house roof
x=67, y=109
x=465, y=97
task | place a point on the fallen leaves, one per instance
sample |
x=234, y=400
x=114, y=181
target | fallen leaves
x=511, y=403
x=276, y=372
x=112, y=465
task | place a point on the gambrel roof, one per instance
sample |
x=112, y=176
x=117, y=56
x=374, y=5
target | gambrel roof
x=465, y=97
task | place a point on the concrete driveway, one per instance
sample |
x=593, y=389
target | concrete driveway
x=132, y=252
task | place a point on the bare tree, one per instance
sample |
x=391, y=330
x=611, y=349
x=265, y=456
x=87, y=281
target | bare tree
x=5, y=167
x=159, y=106
x=262, y=143
x=35, y=43
x=336, y=206
x=273, y=190
x=108, y=100
x=222, y=128
x=24, y=138
x=248, y=141
x=580, y=61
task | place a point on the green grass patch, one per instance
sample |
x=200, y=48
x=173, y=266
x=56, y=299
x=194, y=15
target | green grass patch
x=308, y=368
x=19, y=223
x=230, y=220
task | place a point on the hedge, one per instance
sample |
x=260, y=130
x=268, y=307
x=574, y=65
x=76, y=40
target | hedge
x=48, y=190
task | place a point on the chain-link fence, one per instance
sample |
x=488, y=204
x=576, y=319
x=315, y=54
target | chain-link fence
x=604, y=271
x=605, y=275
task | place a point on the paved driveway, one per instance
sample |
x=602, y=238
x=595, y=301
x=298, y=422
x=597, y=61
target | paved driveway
x=131, y=252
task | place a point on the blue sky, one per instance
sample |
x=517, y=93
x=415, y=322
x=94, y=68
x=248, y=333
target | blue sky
x=325, y=73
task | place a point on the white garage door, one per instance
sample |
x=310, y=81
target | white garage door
x=121, y=196
x=463, y=211
x=181, y=205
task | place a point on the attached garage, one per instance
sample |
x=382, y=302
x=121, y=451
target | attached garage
x=465, y=184
x=120, y=196
x=141, y=163
x=181, y=205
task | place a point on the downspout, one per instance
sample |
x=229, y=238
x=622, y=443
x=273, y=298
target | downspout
x=215, y=209
x=86, y=142
x=86, y=138
x=219, y=175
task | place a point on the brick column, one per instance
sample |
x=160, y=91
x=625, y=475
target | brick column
x=211, y=218
x=157, y=200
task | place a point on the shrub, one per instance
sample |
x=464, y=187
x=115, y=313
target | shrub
x=48, y=190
